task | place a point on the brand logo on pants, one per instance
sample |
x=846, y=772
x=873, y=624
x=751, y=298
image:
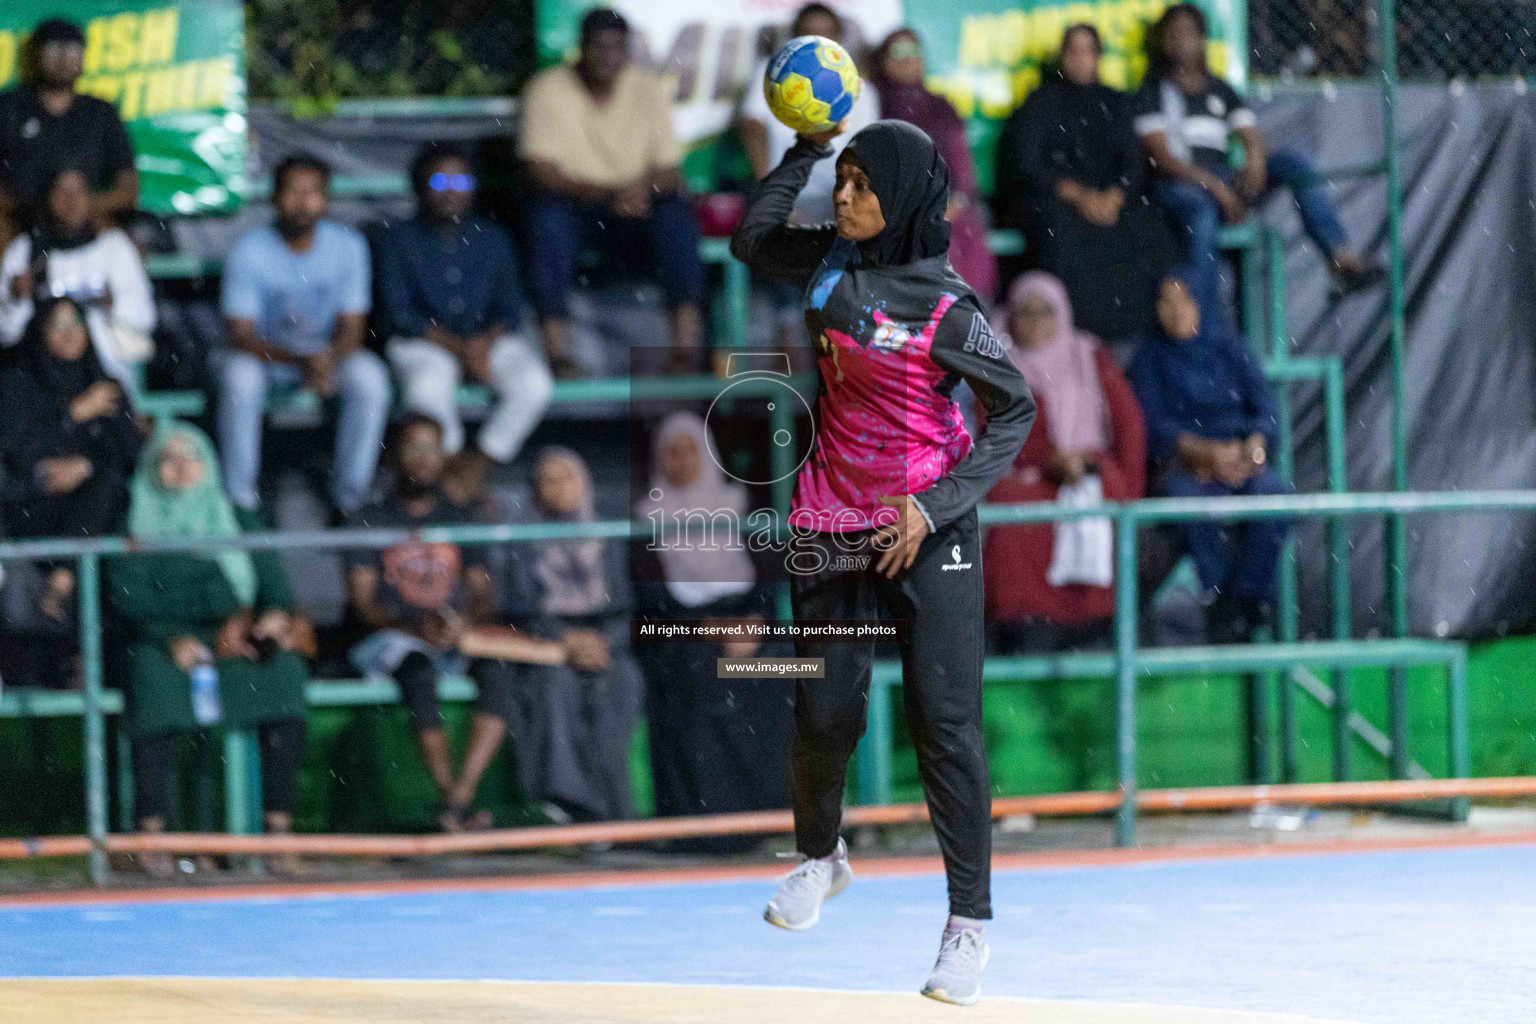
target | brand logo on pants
x=954, y=553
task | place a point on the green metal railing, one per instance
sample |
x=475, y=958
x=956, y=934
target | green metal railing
x=1281, y=367
x=1127, y=663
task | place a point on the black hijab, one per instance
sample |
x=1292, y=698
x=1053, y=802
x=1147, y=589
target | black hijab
x=911, y=180
x=61, y=379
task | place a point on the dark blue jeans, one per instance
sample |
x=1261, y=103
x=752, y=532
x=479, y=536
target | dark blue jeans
x=560, y=227
x=1240, y=558
x=1197, y=214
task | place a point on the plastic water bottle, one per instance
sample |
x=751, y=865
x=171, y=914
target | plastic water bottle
x=207, y=709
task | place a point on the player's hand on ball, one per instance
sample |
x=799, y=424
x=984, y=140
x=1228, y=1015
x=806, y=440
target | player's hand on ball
x=898, y=542
x=823, y=138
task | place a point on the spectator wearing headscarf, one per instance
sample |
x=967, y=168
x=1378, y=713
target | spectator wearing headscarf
x=67, y=254
x=1070, y=176
x=1044, y=593
x=1211, y=423
x=716, y=745
x=227, y=608
x=898, y=78
x=575, y=721
x=68, y=440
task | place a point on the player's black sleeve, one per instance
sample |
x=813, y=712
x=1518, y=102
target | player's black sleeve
x=965, y=346
x=764, y=240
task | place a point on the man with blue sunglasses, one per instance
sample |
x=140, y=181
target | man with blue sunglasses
x=450, y=285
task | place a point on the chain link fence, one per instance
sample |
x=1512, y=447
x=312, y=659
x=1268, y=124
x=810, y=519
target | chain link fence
x=1437, y=40
x=315, y=51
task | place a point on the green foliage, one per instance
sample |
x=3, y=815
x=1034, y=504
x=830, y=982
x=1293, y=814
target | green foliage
x=306, y=56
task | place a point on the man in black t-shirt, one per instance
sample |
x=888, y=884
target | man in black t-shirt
x=414, y=600
x=1186, y=116
x=46, y=127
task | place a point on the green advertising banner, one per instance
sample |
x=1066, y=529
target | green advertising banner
x=177, y=75
x=984, y=55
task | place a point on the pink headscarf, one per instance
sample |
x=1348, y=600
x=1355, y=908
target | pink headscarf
x=1062, y=371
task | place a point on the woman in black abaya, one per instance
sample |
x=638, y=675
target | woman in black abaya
x=1070, y=176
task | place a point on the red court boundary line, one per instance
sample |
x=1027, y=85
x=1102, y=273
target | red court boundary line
x=875, y=867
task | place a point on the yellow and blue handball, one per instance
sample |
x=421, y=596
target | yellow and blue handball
x=811, y=84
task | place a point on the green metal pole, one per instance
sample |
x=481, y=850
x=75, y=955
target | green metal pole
x=1125, y=673
x=781, y=418
x=782, y=461
x=1457, y=728
x=875, y=748
x=1259, y=727
x=125, y=816
x=1397, y=548
x=1286, y=624
x=242, y=782
x=1290, y=610
x=89, y=584
x=1290, y=730
x=1338, y=560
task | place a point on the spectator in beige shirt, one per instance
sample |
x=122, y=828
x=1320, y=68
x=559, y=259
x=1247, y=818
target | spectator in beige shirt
x=605, y=167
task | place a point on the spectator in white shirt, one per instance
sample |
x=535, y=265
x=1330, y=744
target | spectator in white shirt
x=67, y=255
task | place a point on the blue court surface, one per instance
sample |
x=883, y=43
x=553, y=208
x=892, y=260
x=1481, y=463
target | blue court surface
x=1437, y=935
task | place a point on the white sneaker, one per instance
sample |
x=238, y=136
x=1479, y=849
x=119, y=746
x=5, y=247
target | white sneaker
x=956, y=977
x=797, y=904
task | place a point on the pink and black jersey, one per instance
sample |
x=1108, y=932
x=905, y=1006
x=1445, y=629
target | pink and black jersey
x=892, y=342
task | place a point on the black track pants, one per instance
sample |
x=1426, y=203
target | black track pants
x=940, y=597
